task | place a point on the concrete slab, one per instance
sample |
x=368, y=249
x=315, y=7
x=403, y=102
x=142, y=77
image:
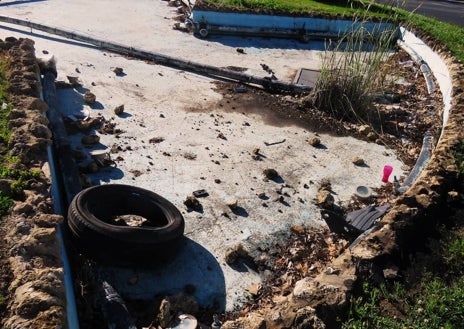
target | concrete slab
x=200, y=146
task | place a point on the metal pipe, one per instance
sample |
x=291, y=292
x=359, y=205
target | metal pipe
x=59, y=206
x=163, y=59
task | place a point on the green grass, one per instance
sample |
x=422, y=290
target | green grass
x=451, y=36
x=436, y=301
x=303, y=7
x=20, y=178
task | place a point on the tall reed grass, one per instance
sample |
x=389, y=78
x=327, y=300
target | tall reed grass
x=352, y=70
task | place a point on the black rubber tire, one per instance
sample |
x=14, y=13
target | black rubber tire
x=89, y=220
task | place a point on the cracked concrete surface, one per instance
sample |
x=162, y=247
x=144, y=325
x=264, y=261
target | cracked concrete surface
x=183, y=109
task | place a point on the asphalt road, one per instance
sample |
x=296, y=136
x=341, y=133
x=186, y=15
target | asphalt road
x=451, y=11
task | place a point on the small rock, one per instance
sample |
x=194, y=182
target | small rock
x=314, y=141
x=118, y=110
x=251, y=321
x=90, y=98
x=74, y=81
x=358, y=161
x=90, y=139
x=372, y=136
x=118, y=71
x=234, y=253
x=254, y=289
x=92, y=168
x=364, y=130
x=232, y=203
x=270, y=173
x=192, y=202
x=325, y=199
x=390, y=273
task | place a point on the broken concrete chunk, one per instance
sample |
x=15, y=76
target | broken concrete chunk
x=192, y=202
x=270, y=173
x=251, y=321
x=234, y=253
x=90, y=98
x=314, y=141
x=118, y=110
x=325, y=199
x=74, y=81
x=358, y=161
x=232, y=203
x=364, y=130
x=118, y=71
x=90, y=139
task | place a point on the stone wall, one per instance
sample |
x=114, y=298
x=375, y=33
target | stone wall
x=36, y=297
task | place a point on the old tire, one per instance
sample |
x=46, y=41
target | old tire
x=95, y=235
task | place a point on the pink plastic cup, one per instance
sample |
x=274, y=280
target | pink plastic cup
x=387, y=170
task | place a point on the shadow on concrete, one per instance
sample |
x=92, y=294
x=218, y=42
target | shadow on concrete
x=194, y=268
x=251, y=42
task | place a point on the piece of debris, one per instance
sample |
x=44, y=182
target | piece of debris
x=363, y=192
x=324, y=184
x=358, y=161
x=325, y=199
x=232, y=203
x=391, y=273
x=298, y=229
x=234, y=253
x=90, y=98
x=156, y=140
x=274, y=143
x=364, y=218
x=270, y=173
x=191, y=202
x=267, y=69
x=200, y=193
x=118, y=110
x=90, y=139
x=372, y=136
x=118, y=71
x=91, y=168
x=364, y=130
x=255, y=155
x=332, y=271
x=314, y=141
x=130, y=220
x=74, y=81
x=254, y=289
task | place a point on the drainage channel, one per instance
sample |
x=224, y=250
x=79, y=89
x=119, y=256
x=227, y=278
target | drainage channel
x=65, y=184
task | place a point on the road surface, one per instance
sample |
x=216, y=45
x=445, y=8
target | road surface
x=450, y=11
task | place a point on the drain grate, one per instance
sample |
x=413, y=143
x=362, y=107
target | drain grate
x=306, y=77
